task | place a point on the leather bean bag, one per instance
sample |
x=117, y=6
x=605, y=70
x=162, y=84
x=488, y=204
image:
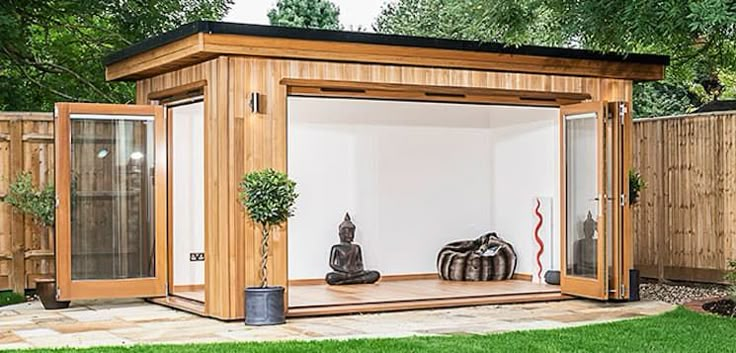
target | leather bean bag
x=488, y=258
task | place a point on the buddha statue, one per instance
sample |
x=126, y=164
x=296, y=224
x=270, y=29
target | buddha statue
x=585, y=249
x=346, y=259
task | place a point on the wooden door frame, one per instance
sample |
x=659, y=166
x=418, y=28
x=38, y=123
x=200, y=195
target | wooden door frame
x=162, y=98
x=622, y=241
x=627, y=164
x=176, y=99
x=446, y=94
x=67, y=288
x=595, y=288
x=167, y=98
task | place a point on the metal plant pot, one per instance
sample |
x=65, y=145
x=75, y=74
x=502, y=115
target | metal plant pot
x=634, y=281
x=264, y=306
x=46, y=291
x=552, y=277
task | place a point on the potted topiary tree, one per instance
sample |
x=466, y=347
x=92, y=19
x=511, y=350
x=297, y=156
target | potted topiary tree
x=39, y=204
x=268, y=196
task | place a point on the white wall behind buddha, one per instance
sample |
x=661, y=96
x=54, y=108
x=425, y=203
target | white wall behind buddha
x=415, y=176
x=188, y=192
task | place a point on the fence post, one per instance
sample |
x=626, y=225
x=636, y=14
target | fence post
x=17, y=228
x=663, y=214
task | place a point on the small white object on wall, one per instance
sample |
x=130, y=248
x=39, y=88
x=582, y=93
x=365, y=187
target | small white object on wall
x=542, y=238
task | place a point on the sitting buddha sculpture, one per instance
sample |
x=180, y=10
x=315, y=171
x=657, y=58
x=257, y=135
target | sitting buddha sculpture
x=585, y=249
x=346, y=259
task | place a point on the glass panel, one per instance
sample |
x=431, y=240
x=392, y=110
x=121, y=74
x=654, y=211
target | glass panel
x=582, y=194
x=112, y=235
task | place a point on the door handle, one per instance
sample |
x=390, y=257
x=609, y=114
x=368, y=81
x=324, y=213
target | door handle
x=600, y=204
x=598, y=198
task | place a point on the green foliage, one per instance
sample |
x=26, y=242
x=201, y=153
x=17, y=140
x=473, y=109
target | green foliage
x=321, y=14
x=731, y=278
x=37, y=203
x=52, y=50
x=700, y=36
x=10, y=298
x=268, y=196
x=636, y=185
x=652, y=99
x=513, y=22
x=729, y=84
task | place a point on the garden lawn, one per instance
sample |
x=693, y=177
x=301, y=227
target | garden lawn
x=677, y=331
x=10, y=298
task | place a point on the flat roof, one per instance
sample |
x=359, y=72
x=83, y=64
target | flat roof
x=375, y=38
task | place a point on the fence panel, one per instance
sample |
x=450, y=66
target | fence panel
x=684, y=223
x=26, y=250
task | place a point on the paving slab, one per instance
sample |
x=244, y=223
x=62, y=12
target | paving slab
x=129, y=322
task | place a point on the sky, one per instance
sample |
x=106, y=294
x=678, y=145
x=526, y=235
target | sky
x=353, y=13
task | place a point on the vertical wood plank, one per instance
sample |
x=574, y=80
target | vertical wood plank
x=729, y=185
x=63, y=210
x=18, y=272
x=663, y=204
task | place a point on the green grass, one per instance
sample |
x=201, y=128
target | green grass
x=676, y=331
x=9, y=298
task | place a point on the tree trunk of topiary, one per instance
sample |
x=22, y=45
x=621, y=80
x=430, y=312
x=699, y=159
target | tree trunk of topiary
x=264, y=255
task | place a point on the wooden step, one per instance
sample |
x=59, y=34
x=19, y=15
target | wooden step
x=183, y=304
x=424, y=304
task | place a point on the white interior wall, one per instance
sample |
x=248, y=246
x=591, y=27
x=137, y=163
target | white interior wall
x=526, y=159
x=415, y=176
x=188, y=192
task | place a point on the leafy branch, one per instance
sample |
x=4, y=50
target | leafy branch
x=37, y=203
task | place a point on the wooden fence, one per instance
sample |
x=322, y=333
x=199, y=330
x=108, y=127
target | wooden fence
x=26, y=250
x=685, y=222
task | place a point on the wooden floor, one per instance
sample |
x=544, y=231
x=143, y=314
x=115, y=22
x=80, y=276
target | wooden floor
x=321, y=299
x=390, y=295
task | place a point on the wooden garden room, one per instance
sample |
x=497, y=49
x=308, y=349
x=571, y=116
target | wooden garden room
x=422, y=141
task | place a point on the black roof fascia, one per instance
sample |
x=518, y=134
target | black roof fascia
x=374, y=38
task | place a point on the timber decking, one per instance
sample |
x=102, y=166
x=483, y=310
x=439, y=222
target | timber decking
x=322, y=299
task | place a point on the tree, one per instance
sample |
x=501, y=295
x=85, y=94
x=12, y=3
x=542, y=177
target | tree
x=512, y=22
x=53, y=49
x=321, y=14
x=700, y=36
x=268, y=196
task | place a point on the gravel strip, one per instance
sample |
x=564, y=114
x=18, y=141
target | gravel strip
x=680, y=293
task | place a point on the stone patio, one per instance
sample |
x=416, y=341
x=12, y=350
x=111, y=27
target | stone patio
x=102, y=323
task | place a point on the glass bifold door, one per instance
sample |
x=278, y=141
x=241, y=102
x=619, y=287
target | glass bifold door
x=110, y=201
x=594, y=193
